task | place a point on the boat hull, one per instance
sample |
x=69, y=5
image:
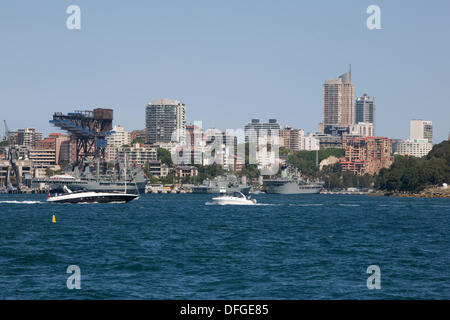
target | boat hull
x=93, y=197
x=56, y=186
x=234, y=201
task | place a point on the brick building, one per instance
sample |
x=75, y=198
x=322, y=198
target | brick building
x=366, y=154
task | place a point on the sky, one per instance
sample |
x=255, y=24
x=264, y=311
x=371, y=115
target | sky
x=227, y=61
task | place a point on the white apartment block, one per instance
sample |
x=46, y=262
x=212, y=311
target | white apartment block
x=309, y=143
x=364, y=129
x=412, y=147
x=421, y=129
x=136, y=154
x=116, y=139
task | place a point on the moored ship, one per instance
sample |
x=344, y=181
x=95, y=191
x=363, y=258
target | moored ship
x=111, y=181
x=291, y=182
x=228, y=183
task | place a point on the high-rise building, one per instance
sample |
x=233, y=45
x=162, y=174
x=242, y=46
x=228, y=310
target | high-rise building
x=364, y=129
x=421, y=129
x=266, y=139
x=337, y=102
x=50, y=151
x=165, y=121
x=366, y=154
x=28, y=137
x=220, y=147
x=257, y=129
x=296, y=140
x=365, y=109
x=290, y=138
x=116, y=139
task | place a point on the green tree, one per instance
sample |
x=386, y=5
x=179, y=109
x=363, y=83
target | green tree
x=138, y=140
x=306, y=160
x=164, y=156
x=283, y=151
x=413, y=174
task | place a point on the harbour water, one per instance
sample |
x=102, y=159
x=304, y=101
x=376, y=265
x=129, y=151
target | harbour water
x=177, y=247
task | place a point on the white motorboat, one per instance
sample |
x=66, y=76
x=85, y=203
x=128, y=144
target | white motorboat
x=236, y=198
x=91, y=197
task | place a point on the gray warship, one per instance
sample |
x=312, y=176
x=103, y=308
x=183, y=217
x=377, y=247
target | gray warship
x=227, y=183
x=291, y=182
x=90, y=179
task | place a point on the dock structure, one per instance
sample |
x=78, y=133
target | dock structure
x=89, y=130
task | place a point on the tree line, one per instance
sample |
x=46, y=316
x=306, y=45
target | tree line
x=413, y=174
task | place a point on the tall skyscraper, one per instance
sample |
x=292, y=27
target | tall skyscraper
x=165, y=121
x=365, y=109
x=337, y=102
x=257, y=129
x=421, y=129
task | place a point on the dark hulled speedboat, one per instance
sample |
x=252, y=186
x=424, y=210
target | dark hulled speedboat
x=91, y=197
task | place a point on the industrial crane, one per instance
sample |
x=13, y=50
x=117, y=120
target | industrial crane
x=12, y=155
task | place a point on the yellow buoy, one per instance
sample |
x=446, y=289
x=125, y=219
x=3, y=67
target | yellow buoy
x=53, y=219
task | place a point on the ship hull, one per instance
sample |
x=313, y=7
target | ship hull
x=276, y=187
x=203, y=189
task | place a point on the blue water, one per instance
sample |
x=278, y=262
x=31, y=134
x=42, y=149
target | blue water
x=176, y=247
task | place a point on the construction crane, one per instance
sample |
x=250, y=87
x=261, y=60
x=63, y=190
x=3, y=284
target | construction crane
x=12, y=155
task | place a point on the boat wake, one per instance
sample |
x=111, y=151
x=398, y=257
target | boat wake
x=20, y=202
x=306, y=205
x=256, y=204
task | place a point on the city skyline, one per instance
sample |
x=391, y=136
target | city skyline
x=252, y=69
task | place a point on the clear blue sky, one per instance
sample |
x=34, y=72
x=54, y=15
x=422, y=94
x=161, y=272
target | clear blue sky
x=228, y=61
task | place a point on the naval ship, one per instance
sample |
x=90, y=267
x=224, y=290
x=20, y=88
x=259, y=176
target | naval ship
x=91, y=180
x=228, y=184
x=291, y=182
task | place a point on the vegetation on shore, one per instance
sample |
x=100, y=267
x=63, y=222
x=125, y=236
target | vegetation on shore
x=406, y=175
x=306, y=160
x=411, y=174
x=332, y=175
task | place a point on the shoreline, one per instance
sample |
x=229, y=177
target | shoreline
x=427, y=193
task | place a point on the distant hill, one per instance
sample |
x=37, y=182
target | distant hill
x=413, y=174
